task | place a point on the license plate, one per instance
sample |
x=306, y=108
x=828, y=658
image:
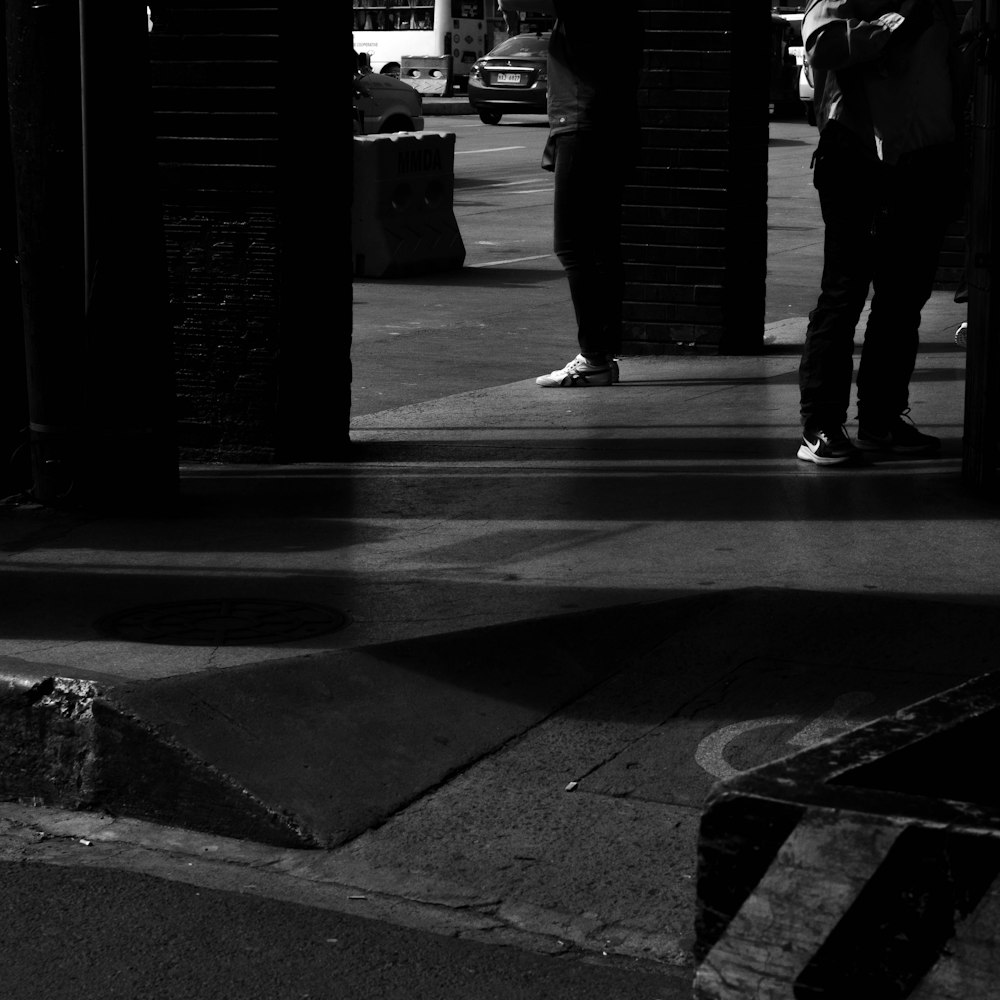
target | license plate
x=514, y=78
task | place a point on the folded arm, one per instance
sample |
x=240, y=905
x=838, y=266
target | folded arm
x=842, y=33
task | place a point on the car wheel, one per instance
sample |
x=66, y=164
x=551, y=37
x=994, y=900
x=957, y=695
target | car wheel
x=810, y=112
x=397, y=123
x=490, y=117
x=391, y=69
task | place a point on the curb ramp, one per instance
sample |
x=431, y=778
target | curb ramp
x=313, y=750
x=867, y=865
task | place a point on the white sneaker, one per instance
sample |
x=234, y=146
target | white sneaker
x=578, y=374
x=827, y=447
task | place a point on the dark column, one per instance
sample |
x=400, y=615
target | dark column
x=982, y=384
x=15, y=473
x=128, y=452
x=744, y=286
x=695, y=227
x=314, y=207
x=44, y=99
x=99, y=366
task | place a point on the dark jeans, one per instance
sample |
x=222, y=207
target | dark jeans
x=884, y=226
x=589, y=184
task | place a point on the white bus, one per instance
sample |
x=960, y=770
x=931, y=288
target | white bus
x=387, y=30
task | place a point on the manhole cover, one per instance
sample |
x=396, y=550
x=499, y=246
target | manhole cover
x=221, y=622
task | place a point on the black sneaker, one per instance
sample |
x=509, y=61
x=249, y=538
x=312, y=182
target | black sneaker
x=827, y=447
x=900, y=436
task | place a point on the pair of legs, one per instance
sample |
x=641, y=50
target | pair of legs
x=589, y=186
x=884, y=226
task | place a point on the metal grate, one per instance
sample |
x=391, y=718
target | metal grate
x=221, y=622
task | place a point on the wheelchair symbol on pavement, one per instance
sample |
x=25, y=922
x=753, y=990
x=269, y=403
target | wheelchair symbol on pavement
x=710, y=753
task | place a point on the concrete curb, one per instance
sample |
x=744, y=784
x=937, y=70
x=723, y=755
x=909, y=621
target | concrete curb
x=73, y=743
x=313, y=750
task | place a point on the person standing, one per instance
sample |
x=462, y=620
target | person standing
x=594, y=61
x=511, y=21
x=888, y=173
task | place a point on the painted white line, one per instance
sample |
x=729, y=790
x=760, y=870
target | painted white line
x=505, y=184
x=836, y=718
x=510, y=184
x=709, y=753
x=513, y=260
x=793, y=909
x=502, y=184
x=497, y=149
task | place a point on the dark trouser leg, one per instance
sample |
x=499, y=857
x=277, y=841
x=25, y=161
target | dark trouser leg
x=587, y=237
x=825, y=371
x=908, y=237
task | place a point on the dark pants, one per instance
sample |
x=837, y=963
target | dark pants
x=589, y=185
x=884, y=226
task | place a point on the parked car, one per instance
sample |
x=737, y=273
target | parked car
x=387, y=104
x=511, y=78
x=793, y=17
x=784, y=65
x=807, y=92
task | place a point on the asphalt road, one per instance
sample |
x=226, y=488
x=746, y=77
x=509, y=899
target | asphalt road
x=93, y=934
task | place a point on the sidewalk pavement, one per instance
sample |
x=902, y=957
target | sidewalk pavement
x=484, y=665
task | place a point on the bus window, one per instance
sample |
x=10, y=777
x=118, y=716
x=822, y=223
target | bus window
x=388, y=30
x=378, y=15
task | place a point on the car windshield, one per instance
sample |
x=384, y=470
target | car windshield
x=523, y=45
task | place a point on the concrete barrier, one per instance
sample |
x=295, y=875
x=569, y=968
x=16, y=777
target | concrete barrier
x=866, y=866
x=402, y=215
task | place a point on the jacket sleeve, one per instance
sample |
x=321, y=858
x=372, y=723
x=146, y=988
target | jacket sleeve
x=842, y=33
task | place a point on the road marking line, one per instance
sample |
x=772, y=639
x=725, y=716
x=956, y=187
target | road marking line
x=709, y=754
x=838, y=717
x=796, y=906
x=501, y=184
x=513, y=260
x=496, y=149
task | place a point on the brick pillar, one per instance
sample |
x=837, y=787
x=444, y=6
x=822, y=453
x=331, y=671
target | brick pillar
x=695, y=226
x=214, y=73
x=250, y=198
x=981, y=440
x=952, y=261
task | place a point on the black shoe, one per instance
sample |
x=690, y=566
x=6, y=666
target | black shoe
x=900, y=436
x=827, y=447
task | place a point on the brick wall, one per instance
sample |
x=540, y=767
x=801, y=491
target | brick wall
x=695, y=227
x=951, y=264
x=214, y=73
